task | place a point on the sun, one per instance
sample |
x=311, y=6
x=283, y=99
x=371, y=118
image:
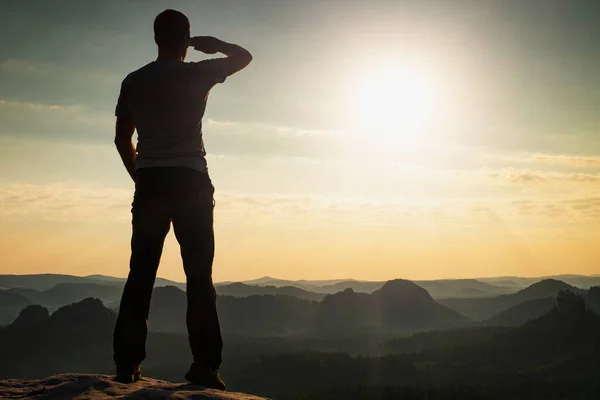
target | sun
x=396, y=103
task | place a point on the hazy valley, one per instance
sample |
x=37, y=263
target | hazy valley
x=365, y=337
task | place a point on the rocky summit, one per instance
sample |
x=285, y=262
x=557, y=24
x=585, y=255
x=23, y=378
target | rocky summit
x=100, y=387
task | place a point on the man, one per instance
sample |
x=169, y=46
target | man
x=165, y=101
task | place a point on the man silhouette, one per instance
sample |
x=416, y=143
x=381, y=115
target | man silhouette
x=165, y=101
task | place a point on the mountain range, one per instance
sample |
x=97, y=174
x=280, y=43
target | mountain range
x=558, y=348
x=480, y=309
x=285, y=309
x=440, y=288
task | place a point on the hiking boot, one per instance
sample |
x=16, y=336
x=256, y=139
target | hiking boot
x=203, y=375
x=128, y=373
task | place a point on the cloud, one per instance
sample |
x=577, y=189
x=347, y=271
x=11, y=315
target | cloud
x=527, y=177
x=47, y=70
x=571, y=209
x=52, y=83
x=66, y=202
x=54, y=121
x=239, y=127
x=80, y=202
x=577, y=161
x=76, y=202
x=32, y=106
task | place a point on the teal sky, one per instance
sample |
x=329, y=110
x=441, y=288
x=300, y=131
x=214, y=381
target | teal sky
x=510, y=156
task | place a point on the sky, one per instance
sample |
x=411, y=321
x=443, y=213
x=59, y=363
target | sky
x=368, y=139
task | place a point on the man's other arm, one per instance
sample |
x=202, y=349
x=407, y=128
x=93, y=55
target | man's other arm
x=237, y=57
x=123, y=140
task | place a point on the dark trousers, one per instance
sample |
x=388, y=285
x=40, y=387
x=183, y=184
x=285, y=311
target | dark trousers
x=185, y=197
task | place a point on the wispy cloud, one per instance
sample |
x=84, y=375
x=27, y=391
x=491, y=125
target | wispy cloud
x=583, y=208
x=77, y=202
x=48, y=70
x=66, y=202
x=240, y=127
x=578, y=161
x=33, y=106
x=53, y=121
x=527, y=177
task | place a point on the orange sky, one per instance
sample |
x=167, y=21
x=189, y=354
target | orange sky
x=376, y=140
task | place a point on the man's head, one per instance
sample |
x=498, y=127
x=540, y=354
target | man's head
x=172, y=32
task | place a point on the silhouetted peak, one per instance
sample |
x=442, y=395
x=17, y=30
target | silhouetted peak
x=169, y=290
x=89, y=310
x=31, y=315
x=346, y=297
x=548, y=287
x=402, y=288
x=344, y=294
x=167, y=297
x=237, y=285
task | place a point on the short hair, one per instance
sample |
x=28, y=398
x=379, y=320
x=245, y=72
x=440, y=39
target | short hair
x=171, y=29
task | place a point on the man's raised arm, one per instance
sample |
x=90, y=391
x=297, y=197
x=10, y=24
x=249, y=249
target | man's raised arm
x=237, y=57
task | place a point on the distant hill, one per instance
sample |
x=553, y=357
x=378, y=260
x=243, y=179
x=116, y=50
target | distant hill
x=38, y=281
x=301, y=283
x=445, y=288
x=74, y=335
x=398, y=305
x=580, y=281
x=27, y=293
x=523, y=312
x=41, y=282
x=9, y=298
x=67, y=293
x=243, y=290
x=104, y=278
x=252, y=315
x=563, y=332
x=486, y=308
x=437, y=288
x=357, y=286
x=544, y=288
x=11, y=303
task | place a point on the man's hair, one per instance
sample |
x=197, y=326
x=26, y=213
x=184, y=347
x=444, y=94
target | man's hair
x=171, y=29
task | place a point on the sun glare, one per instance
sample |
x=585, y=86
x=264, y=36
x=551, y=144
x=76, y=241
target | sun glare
x=396, y=103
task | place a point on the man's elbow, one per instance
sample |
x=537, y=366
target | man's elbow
x=244, y=58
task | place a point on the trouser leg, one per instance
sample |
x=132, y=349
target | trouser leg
x=151, y=223
x=193, y=227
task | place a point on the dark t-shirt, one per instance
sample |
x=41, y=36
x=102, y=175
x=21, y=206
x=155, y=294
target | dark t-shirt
x=166, y=101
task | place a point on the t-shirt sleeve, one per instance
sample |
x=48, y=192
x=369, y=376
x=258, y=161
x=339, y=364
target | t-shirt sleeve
x=214, y=70
x=122, y=109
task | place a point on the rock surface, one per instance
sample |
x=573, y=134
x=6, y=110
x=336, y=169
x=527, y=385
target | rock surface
x=93, y=387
